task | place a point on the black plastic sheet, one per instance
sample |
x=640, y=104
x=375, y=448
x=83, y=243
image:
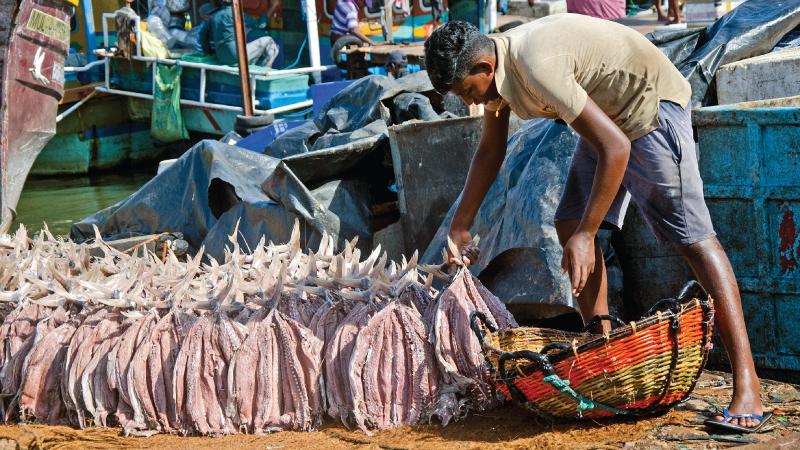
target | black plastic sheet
x=360, y=112
x=213, y=186
x=324, y=173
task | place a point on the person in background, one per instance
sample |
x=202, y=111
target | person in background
x=396, y=64
x=345, y=23
x=222, y=39
x=202, y=43
x=673, y=15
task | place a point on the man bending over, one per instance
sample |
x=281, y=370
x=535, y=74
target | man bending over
x=630, y=106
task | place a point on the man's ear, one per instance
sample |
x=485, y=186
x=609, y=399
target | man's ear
x=483, y=67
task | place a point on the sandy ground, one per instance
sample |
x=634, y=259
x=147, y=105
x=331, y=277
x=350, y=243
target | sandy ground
x=508, y=428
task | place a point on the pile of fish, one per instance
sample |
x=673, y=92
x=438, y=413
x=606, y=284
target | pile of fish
x=271, y=339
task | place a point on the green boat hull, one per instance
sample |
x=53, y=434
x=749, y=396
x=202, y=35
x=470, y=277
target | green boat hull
x=106, y=133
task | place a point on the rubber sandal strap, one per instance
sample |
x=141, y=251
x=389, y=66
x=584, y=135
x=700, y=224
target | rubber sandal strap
x=725, y=424
x=747, y=416
x=727, y=416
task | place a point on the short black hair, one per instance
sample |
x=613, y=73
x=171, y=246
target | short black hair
x=450, y=52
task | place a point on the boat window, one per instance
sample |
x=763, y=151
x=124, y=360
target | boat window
x=73, y=21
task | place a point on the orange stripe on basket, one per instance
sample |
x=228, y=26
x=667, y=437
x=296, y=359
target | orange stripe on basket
x=617, y=356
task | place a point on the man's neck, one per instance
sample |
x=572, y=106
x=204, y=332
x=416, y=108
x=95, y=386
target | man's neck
x=495, y=87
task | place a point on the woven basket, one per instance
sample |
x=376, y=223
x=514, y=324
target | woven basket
x=643, y=367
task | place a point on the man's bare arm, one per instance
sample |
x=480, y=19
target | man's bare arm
x=357, y=33
x=613, y=149
x=482, y=172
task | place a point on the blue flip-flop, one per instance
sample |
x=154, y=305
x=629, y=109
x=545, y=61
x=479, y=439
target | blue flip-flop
x=725, y=423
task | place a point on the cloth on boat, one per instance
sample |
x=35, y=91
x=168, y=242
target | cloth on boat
x=152, y=46
x=125, y=20
x=166, y=123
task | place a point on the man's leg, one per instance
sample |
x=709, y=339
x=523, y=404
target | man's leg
x=711, y=266
x=593, y=300
x=660, y=11
x=674, y=12
x=664, y=179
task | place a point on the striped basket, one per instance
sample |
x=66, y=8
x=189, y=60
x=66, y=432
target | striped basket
x=639, y=368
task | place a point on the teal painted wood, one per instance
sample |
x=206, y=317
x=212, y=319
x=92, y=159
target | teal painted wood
x=69, y=154
x=749, y=156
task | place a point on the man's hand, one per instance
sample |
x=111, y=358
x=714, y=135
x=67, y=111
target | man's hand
x=465, y=252
x=578, y=260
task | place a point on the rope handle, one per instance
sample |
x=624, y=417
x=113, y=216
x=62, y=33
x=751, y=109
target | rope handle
x=536, y=358
x=691, y=289
x=583, y=403
x=601, y=317
x=555, y=346
x=476, y=328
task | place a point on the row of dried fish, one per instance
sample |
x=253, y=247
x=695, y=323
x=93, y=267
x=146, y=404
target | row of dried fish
x=266, y=340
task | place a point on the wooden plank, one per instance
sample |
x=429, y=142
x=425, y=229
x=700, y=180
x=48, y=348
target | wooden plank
x=415, y=52
x=74, y=94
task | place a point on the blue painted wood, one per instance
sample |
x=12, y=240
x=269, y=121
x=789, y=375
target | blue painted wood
x=749, y=156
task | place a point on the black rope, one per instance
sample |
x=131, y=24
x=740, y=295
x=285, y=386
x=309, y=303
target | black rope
x=601, y=317
x=476, y=328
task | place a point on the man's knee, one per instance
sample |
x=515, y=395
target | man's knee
x=705, y=247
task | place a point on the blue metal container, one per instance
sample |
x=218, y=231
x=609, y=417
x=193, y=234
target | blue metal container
x=749, y=157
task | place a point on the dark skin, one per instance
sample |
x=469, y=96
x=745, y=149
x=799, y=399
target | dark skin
x=583, y=258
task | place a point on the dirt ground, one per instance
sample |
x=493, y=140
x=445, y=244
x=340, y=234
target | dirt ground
x=508, y=428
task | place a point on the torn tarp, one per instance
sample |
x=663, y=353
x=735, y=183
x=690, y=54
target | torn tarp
x=361, y=111
x=213, y=186
x=517, y=214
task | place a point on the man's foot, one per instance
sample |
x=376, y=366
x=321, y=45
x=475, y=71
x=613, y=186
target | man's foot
x=674, y=21
x=726, y=424
x=745, y=401
x=662, y=18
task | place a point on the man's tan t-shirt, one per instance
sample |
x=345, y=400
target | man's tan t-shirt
x=546, y=68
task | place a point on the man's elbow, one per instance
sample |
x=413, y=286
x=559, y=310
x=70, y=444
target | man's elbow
x=621, y=147
x=618, y=151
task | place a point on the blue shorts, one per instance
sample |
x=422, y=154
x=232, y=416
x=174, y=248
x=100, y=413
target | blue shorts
x=662, y=178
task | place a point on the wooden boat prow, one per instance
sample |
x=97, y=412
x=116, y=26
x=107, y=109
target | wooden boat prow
x=32, y=53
